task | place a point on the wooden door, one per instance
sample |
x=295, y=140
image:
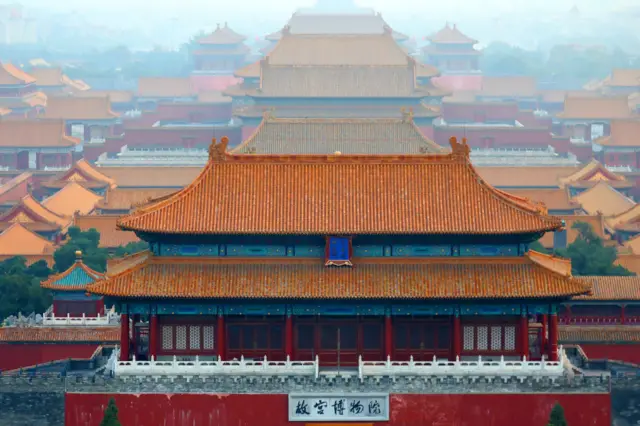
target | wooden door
x=421, y=339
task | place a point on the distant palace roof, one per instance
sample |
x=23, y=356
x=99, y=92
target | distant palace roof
x=222, y=35
x=60, y=334
x=72, y=199
x=612, y=288
x=127, y=198
x=592, y=108
x=35, y=134
x=450, y=34
x=623, y=133
x=68, y=107
x=553, y=199
x=327, y=136
x=531, y=276
x=593, y=173
x=604, y=199
x=624, y=77
x=33, y=216
x=357, y=194
x=83, y=174
x=19, y=241
x=77, y=277
x=53, y=76
x=11, y=75
x=110, y=236
x=165, y=87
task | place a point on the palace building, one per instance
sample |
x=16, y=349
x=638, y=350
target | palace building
x=357, y=257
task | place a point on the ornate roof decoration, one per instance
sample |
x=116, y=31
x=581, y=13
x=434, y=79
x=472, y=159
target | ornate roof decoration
x=76, y=278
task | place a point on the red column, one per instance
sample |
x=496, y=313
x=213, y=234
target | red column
x=288, y=336
x=553, y=337
x=456, y=337
x=388, y=336
x=622, y=314
x=124, y=337
x=153, y=336
x=543, y=338
x=135, y=318
x=524, y=335
x=221, y=341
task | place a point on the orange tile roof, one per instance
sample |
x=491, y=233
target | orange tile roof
x=110, y=235
x=626, y=218
x=604, y=199
x=251, y=71
x=35, y=134
x=450, y=35
x=630, y=261
x=34, y=216
x=624, y=78
x=362, y=50
x=623, y=133
x=35, y=99
x=593, y=173
x=598, y=334
x=115, y=265
x=379, y=278
x=72, y=199
x=47, y=76
x=553, y=199
x=408, y=194
x=330, y=135
x=222, y=35
x=513, y=86
x=302, y=110
x=60, y=334
x=522, y=177
x=165, y=87
x=11, y=75
x=597, y=222
x=126, y=199
x=115, y=96
x=612, y=288
x=68, y=107
x=75, y=86
x=632, y=245
x=18, y=240
x=588, y=108
x=82, y=173
x=151, y=177
x=4, y=111
x=12, y=183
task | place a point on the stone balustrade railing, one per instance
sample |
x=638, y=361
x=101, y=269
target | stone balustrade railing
x=111, y=318
x=242, y=367
x=476, y=367
x=95, y=139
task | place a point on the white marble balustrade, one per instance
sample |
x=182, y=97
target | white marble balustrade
x=476, y=367
x=242, y=367
x=110, y=318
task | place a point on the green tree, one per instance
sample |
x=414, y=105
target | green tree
x=536, y=246
x=85, y=241
x=589, y=255
x=20, y=287
x=111, y=415
x=556, y=418
x=131, y=248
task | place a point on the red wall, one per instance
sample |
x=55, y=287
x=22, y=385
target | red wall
x=271, y=410
x=626, y=353
x=14, y=356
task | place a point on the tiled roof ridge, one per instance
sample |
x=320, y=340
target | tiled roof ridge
x=84, y=166
x=25, y=203
x=10, y=184
x=593, y=165
x=21, y=226
x=16, y=72
x=602, y=184
x=625, y=216
x=548, y=261
x=50, y=282
x=68, y=187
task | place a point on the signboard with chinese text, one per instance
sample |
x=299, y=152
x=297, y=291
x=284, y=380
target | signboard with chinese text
x=338, y=407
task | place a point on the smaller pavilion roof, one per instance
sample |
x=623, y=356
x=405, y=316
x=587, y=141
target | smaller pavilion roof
x=553, y=199
x=10, y=75
x=33, y=216
x=327, y=136
x=624, y=133
x=60, y=334
x=222, y=35
x=593, y=173
x=110, y=236
x=76, y=278
x=69, y=107
x=450, y=34
x=603, y=199
x=83, y=173
x=35, y=134
x=165, y=87
x=595, y=108
x=532, y=276
x=17, y=240
x=72, y=199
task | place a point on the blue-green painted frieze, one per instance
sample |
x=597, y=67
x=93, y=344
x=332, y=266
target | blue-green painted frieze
x=418, y=310
x=254, y=309
x=490, y=310
x=187, y=309
x=74, y=296
x=338, y=309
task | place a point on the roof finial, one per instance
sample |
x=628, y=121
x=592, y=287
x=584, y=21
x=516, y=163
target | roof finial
x=407, y=116
x=78, y=255
x=218, y=151
x=458, y=148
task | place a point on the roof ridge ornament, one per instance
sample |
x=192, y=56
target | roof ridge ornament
x=407, y=116
x=218, y=151
x=459, y=149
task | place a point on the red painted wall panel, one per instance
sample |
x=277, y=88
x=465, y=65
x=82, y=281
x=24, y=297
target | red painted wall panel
x=626, y=353
x=14, y=356
x=271, y=410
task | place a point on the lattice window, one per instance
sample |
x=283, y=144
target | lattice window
x=509, y=338
x=496, y=338
x=181, y=337
x=194, y=337
x=468, y=334
x=207, y=337
x=167, y=337
x=483, y=337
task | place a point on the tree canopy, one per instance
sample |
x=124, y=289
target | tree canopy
x=88, y=243
x=131, y=248
x=20, y=287
x=590, y=256
x=111, y=414
x=556, y=418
